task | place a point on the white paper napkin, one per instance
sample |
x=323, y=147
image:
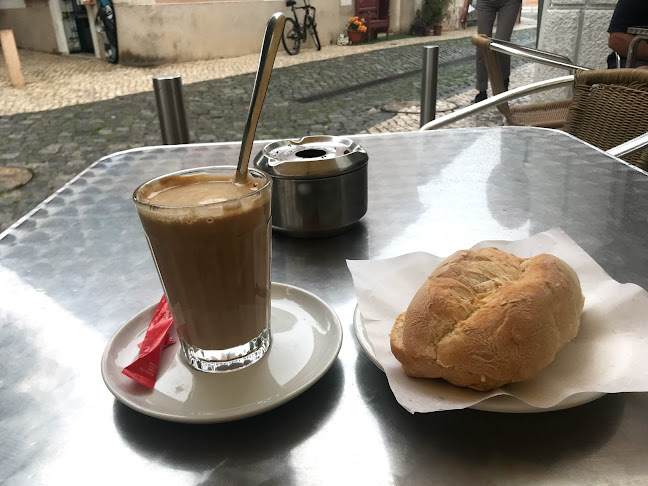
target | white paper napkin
x=609, y=354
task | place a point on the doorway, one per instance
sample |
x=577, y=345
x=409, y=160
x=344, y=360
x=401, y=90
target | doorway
x=76, y=26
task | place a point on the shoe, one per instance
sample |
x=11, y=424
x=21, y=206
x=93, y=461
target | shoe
x=481, y=96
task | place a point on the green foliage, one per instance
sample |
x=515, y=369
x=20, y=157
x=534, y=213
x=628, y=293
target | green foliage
x=96, y=130
x=434, y=12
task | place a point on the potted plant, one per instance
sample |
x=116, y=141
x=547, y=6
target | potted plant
x=355, y=28
x=433, y=13
x=418, y=27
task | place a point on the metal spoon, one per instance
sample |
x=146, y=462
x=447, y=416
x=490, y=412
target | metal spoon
x=271, y=40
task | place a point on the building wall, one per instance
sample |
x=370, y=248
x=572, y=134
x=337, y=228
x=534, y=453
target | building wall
x=576, y=29
x=454, y=11
x=31, y=22
x=150, y=33
x=154, y=31
x=451, y=22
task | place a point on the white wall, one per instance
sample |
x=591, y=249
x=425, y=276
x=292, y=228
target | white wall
x=576, y=29
x=150, y=33
x=7, y=4
x=31, y=24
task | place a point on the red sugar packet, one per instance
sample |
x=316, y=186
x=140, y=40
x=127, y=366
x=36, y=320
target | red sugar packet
x=167, y=342
x=144, y=369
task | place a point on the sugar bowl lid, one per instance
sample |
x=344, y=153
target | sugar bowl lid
x=311, y=157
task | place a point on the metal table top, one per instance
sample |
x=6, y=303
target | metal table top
x=78, y=267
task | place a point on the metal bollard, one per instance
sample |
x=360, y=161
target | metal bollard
x=171, y=110
x=429, y=84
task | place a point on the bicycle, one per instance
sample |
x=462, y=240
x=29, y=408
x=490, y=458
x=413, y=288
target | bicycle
x=106, y=25
x=295, y=33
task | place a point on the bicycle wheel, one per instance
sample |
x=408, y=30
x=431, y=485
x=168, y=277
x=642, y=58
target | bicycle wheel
x=313, y=30
x=111, y=53
x=291, y=38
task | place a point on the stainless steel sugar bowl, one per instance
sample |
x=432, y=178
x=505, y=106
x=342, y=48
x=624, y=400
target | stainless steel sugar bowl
x=319, y=184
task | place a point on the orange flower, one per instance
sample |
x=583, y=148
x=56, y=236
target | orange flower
x=356, y=23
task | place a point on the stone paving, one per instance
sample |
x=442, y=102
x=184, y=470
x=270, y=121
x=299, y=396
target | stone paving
x=57, y=81
x=75, y=110
x=407, y=114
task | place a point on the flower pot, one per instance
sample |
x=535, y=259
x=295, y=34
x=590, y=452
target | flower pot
x=438, y=29
x=354, y=36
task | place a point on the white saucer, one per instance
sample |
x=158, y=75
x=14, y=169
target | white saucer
x=499, y=403
x=306, y=339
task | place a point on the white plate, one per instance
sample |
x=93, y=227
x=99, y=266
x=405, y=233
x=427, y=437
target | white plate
x=306, y=339
x=500, y=403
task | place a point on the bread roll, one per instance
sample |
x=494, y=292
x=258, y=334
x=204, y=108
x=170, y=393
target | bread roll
x=485, y=318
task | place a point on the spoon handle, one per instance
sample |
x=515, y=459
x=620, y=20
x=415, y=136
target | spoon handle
x=271, y=40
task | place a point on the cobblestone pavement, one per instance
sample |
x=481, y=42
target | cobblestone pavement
x=56, y=81
x=340, y=90
x=407, y=114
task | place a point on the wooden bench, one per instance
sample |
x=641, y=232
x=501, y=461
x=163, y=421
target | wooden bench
x=376, y=15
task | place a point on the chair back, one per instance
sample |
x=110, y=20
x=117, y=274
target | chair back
x=482, y=42
x=609, y=108
x=549, y=114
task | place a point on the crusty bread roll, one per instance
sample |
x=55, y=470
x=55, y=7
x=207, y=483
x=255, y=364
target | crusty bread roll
x=485, y=318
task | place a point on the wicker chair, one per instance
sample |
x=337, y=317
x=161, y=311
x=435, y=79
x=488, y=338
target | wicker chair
x=548, y=115
x=609, y=108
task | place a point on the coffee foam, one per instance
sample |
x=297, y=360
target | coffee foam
x=200, y=198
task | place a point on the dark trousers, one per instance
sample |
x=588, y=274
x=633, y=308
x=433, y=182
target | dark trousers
x=506, y=12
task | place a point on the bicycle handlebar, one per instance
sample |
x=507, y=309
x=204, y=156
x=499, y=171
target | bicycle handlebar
x=292, y=3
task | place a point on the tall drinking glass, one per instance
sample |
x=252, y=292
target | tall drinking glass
x=210, y=238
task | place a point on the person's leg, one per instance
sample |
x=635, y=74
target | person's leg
x=486, y=12
x=506, y=17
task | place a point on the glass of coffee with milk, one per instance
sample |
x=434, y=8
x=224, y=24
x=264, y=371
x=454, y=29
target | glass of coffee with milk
x=210, y=236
